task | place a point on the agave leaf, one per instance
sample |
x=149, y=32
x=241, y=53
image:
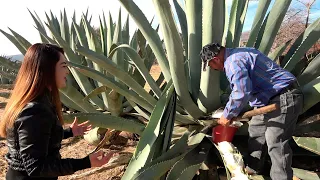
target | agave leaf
x=109, y=66
x=310, y=36
x=232, y=23
x=277, y=52
x=261, y=32
x=117, y=38
x=39, y=26
x=244, y=8
x=309, y=143
x=25, y=43
x=95, y=45
x=311, y=72
x=150, y=134
x=133, y=42
x=104, y=34
x=45, y=36
x=69, y=103
x=187, y=167
x=14, y=41
x=299, y=68
x=139, y=110
x=142, y=51
x=175, y=56
x=118, y=59
x=150, y=58
x=140, y=66
x=125, y=40
x=74, y=95
x=161, y=144
x=99, y=90
x=55, y=23
x=194, y=16
x=141, y=40
x=92, y=38
x=149, y=33
x=178, y=149
x=157, y=170
x=311, y=94
x=213, y=16
x=168, y=128
x=257, y=21
x=273, y=23
x=125, y=33
x=109, y=33
x=107, y=81
x=164, y=163
x=183, y=23
x=306, y=175
x=73, y=34
x=237, y=16
x=64, y=26
x=107, y=121
x=82, y=38
x=81, y=35
x=307, y=127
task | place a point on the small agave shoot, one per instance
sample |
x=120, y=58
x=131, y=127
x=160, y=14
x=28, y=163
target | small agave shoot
x=109, y=73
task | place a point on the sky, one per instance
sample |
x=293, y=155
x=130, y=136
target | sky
x=15, y=15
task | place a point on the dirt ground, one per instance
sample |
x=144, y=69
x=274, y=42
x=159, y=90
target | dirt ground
x=78, y=148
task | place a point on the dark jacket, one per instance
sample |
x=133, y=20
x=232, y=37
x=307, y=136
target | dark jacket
x=34, y=143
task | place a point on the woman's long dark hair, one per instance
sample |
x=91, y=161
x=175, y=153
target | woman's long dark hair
x=36, y=74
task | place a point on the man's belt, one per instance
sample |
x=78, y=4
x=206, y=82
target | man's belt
x=293, y=85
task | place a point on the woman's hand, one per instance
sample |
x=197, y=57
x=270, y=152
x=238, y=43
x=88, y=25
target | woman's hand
x=80, y=129
x=100, y=158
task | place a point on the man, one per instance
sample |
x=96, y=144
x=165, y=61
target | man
x=256, y=79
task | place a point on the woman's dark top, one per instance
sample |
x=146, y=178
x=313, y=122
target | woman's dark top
x=34, y=143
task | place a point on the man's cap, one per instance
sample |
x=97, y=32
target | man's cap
x=208, y=52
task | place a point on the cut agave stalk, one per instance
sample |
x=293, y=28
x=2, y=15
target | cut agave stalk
x=233, y=160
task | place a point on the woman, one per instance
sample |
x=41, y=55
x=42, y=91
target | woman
x=32, y=120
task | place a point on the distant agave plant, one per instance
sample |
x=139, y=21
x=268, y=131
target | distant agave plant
x=110, y=74
x=8, y=70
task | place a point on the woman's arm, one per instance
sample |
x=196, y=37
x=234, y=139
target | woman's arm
x=67, y=133
x=34, y=131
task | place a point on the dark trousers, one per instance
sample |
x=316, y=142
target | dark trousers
x=274, y=130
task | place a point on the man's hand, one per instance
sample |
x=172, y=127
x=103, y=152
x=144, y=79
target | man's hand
x=224, y=121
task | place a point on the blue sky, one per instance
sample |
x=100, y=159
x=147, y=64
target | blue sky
x=21, y=21
x=315, y=11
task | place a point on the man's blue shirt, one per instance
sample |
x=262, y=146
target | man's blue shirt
x=253, y=78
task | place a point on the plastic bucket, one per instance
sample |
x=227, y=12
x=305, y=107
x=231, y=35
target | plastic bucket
x=225, y=133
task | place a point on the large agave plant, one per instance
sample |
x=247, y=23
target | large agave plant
x=109, y=73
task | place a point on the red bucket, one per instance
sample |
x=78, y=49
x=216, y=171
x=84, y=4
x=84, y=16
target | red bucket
x=223, y=133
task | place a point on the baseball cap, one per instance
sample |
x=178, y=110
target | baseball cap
x=208, y=52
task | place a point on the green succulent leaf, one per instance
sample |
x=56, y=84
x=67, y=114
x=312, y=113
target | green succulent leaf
x=304, y=42
x=309, y=143
x=107, y=121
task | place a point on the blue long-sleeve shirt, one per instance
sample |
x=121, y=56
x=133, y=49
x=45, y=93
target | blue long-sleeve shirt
x=253, y=78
